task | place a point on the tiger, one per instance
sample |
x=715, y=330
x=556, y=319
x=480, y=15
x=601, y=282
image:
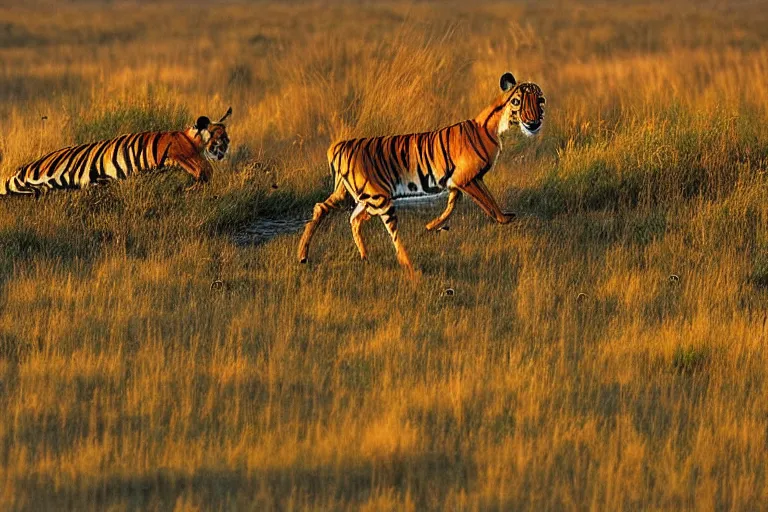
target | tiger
x=375, y=171
x=81, y=166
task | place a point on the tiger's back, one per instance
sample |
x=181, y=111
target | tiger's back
x=86, y=164
x=415, y=164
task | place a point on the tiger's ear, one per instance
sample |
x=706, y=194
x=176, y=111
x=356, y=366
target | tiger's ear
x=229, y=113
x=202, y=123
x=507, y=81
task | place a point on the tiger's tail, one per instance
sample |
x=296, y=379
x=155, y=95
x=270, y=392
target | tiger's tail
x=5, y=186
x=12, y=186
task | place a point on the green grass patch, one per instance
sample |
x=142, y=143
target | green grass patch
x=689, y=360
x=123, y=118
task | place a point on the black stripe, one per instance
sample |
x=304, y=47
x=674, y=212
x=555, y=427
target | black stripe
x=423, y=161
x=472, y=142
x=405, y=154
x=134, y=148
x=143, y=144
x=444, y=145
x=379, y=172
x=93, y=173
x=34, y=167
x=66, y=163
x=62, y=162
x=155, y=144
x=391, y=174
x=493, y=112
x=126, y=147
x=51, y=167
x=80, y=166
x=337, y=156
x=380, y=201
x=352, y=150
x=161, y=162
x=38, y=164
x=392, y=153
x=119, y=173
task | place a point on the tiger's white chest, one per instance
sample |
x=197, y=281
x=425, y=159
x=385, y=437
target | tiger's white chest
x=504, y=121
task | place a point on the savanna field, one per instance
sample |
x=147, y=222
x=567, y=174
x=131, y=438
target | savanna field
x=605, y=351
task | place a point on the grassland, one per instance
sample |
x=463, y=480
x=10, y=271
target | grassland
x=569, y=370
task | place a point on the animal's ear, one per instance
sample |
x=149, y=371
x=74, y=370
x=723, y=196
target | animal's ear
x=229, y=113
x=507, y=81
x=202, y=123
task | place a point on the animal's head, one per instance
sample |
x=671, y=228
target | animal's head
x=213, y=135
x=524, y=105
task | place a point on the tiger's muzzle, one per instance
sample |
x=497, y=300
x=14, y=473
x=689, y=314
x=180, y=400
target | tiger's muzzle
x=531, y=119
x=531, y=128
x=531, y=110
x=218, y=148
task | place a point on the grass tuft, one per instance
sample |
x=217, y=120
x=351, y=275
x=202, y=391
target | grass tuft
x=689, y=360
x=123, y=118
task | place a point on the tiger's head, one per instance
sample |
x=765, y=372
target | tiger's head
x=524, y=105
x=213, y=135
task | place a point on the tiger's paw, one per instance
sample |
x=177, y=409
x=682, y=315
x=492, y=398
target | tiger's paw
x=509, y=217
x=437, y=225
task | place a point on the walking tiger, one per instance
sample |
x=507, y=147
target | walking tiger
x=375, y=171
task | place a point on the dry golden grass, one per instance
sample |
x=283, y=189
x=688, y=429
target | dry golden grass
x=127, y=381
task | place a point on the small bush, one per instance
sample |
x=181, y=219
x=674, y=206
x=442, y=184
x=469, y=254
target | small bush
x=240, y=76
x=129, y=118
x=759, y=275
x=647, y=228
x=690, y=360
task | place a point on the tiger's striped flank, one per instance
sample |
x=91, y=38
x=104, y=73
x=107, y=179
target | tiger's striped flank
x=375, y=171
x=115, y=159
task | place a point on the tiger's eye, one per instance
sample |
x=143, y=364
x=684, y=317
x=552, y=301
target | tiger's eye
x=516, y=102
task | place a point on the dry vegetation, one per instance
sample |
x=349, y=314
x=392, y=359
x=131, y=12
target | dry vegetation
x=128, y=381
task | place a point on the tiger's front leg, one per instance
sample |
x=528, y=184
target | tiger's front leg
x=453, y=196
x=482, y=196
x=200, y=168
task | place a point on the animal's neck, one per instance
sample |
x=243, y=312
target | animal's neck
x=196, y=137
x=495, y=118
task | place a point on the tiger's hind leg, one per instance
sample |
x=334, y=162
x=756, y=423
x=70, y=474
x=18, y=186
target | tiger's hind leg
x=359, y=216
x=16, y=186
x=389, y=218
x=318, y=214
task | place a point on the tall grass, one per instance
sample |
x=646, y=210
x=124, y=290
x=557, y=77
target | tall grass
x=607, y=351
x=128, y=118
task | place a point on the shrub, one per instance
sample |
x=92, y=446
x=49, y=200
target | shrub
x=129, y=118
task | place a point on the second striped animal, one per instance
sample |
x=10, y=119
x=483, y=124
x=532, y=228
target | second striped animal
x=375, y=171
